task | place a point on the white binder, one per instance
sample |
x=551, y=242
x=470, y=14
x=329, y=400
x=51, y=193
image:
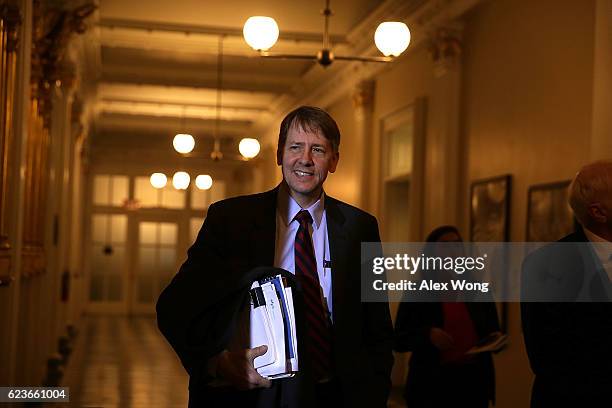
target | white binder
x=272, y=322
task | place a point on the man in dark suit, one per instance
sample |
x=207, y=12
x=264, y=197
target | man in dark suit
x=345, y=345
x=569, y=337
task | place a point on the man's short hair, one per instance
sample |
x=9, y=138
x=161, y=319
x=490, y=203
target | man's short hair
x=592, y=184
x=310, y=119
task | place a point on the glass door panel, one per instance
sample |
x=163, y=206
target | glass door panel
x=108, y=261
x=156, y=263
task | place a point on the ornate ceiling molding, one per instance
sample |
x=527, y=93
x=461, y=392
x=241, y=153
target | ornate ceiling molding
x=11, y=15
x=53, y=28
x=445, y=48
x=363, y=95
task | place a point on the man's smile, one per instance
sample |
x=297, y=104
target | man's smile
x=301, y=173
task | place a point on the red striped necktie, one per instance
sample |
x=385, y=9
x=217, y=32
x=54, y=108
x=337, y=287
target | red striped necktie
x=318, y=327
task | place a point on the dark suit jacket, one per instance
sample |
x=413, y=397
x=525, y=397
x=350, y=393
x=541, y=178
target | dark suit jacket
x=412, y=326
x=195, y=312
x=569, y=342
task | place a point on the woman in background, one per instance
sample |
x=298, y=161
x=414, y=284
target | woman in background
x=439, y=334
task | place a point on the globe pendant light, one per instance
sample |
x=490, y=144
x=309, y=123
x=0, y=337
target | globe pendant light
x=392, y=38
x=217, y=154
x=249, y=147
x=181, y=180
x=204, y=182
x=183, y=142
x=158, y=180
x=261, y=33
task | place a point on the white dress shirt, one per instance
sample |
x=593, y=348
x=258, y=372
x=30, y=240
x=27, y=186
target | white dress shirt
x=286, y=228
x=603, y=249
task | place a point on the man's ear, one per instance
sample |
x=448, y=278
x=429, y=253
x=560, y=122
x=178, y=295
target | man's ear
x=334, y=163
x=279, y=157
x=599, y=213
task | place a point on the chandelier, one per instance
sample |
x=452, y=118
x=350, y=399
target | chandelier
x=248, y=147
x=391, y=38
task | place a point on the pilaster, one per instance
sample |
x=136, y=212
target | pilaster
x=363, y=104
x=444, y=145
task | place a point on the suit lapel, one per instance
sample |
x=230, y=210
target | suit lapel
x=263, y=235
x=338, y=248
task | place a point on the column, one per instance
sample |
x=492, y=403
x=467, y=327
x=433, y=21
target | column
x=58, y=199
x=363, y=104
x=445, y=164
x=75, y=249
x=21, y=114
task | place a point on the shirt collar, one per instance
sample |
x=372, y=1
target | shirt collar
x=288, y=208
x=603, y=248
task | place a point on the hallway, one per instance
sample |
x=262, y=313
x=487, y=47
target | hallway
x=124, y=362
x=122, y=125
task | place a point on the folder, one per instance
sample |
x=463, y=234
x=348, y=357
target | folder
x=272, y=322
x=492, y=343
x=260, y=327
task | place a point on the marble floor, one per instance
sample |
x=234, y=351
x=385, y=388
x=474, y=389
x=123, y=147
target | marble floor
x=126, y=363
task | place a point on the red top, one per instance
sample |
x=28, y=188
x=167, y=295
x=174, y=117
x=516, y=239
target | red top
x=459, y=325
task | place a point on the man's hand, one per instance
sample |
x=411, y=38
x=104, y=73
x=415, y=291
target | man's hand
x=236, y=367
x=441, y=339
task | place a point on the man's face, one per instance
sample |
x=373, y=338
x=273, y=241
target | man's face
x=306, y=158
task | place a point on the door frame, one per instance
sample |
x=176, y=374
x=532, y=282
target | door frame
x=151, y=215
x=105, y=307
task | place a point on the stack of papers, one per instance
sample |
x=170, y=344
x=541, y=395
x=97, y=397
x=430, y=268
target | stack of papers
x=272, y=323
x=492, y=343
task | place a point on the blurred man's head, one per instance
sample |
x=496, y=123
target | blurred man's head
x=591, y=197
x=307, y=151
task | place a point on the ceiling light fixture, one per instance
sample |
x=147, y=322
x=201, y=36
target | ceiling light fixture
x=183, y=142
x=253, y=144
x=249, y=148
x=260, y=32
x=181, y=180
x=391, y=38
x=203, y=182
x=216, y=154
x=158, y=180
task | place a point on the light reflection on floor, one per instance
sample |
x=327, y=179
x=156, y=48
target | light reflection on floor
x=128, y=364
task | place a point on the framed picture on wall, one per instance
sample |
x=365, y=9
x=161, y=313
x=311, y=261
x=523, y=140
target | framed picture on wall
x=549, y=216
x=490, y=209
x=489, y=221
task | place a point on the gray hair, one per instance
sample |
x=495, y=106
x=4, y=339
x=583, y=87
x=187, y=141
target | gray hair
x=592, y=184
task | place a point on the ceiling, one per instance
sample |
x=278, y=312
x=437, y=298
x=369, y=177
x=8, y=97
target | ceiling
x=299, y=16
x=157, y=62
